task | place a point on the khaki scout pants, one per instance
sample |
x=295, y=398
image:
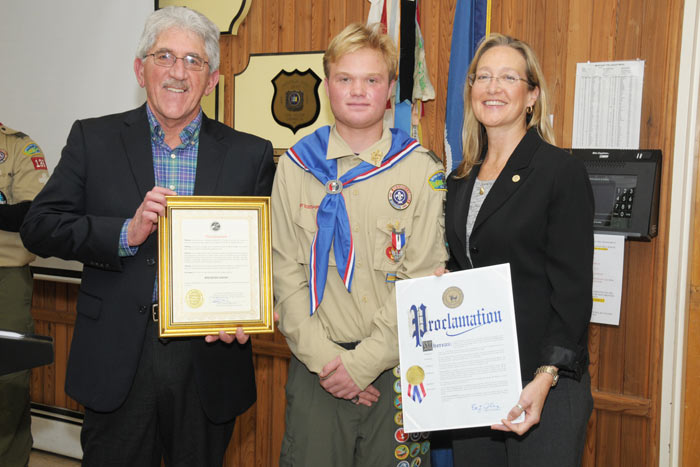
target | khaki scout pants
x=324, y=431
x=15, y=418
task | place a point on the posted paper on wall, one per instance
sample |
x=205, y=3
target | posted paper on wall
x=608, y=104
x=458, y=346
x=608, y=264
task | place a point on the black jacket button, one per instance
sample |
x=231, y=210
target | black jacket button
x=143, y=309
x=473, y=250
x=150, y=261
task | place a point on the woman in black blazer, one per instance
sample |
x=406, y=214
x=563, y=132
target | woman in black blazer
x=518, y=199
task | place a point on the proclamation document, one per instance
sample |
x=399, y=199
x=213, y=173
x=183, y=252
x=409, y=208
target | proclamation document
x=458, y=346
x=218, y=272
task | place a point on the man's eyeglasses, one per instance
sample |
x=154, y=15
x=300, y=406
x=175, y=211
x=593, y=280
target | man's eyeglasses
x=166, y=59
x=484, y=79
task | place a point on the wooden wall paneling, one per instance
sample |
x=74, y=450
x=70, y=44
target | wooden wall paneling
x=319, y=25
x=691, y=417
x=263, y=419
x=554, y=68
x=60, y=364
x=255, y=32
x=271, y=32
x=606, y=18
x=578, y=49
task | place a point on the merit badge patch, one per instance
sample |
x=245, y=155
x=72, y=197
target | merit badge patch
x=397, y=386
x=414, y=449
x=397, y=401
x=398, y=418
x=425, y=447
x=399, y=197
x=452, y=297
x=396, y=371
x=401, y=451
x=3, y=156
x=437, y=181
x=403, y=464
x=400, y=435
x=416, y=462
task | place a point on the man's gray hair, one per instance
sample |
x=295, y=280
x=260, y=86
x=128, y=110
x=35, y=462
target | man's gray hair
x=181, y=18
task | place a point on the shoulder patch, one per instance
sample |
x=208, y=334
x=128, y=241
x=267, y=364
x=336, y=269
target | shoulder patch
x=32, y=150
x=437, y=181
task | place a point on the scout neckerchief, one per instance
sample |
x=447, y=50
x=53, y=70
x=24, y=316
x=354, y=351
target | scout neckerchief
x=332, y=216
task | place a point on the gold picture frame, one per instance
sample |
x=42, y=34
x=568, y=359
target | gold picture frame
x=215, y=266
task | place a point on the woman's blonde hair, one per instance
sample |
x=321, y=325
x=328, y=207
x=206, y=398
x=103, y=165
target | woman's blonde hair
x=473, y=132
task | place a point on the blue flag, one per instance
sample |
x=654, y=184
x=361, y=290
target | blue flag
x=471, y=24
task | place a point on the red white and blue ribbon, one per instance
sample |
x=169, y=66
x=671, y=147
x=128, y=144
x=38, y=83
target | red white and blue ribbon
x=417, y=393
x=398, y=239
x=333, y=225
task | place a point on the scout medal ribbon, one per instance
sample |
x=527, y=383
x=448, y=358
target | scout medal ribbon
x=332, y=216
x=398, y=238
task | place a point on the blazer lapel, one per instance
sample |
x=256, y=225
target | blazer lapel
x=136, y=137
x=460, y=211
x=511, y=178
x=210, y=159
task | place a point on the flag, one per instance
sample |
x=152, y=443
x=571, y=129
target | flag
x=471, y=24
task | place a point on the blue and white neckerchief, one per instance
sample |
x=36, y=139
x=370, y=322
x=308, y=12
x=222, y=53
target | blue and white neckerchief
x=332, y=216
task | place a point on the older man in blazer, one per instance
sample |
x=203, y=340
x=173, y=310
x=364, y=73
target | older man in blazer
x=146, y=397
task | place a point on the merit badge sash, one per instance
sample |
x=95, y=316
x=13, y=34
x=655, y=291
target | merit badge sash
x=332, y=216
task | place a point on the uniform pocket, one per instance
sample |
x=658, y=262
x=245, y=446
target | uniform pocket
x=306, y=227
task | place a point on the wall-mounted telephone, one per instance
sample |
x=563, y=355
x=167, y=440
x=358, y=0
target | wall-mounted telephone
x=626, y=190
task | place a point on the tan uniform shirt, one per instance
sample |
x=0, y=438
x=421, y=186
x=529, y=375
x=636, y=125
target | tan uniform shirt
x=23, y=174
x=368, y=313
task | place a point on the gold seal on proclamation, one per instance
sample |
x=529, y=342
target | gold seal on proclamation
x=415, y=375
x=194, y=298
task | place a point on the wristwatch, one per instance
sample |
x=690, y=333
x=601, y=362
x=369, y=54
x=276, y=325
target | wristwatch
x=552, y=370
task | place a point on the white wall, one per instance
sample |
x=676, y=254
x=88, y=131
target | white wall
x=61, y=60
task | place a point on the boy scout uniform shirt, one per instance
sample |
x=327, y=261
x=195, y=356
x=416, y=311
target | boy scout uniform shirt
x=23, y=174
x=368, y=314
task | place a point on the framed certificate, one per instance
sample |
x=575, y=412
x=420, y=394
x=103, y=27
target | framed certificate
x=215, y=266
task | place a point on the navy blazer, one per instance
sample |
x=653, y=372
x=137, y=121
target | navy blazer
x=538, y=216
x=104, y=173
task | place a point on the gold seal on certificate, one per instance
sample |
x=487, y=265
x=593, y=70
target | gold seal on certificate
x=452, y=297
x=194, y=298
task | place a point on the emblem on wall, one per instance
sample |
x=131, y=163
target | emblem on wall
x=226, y=14
x=295, y=102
